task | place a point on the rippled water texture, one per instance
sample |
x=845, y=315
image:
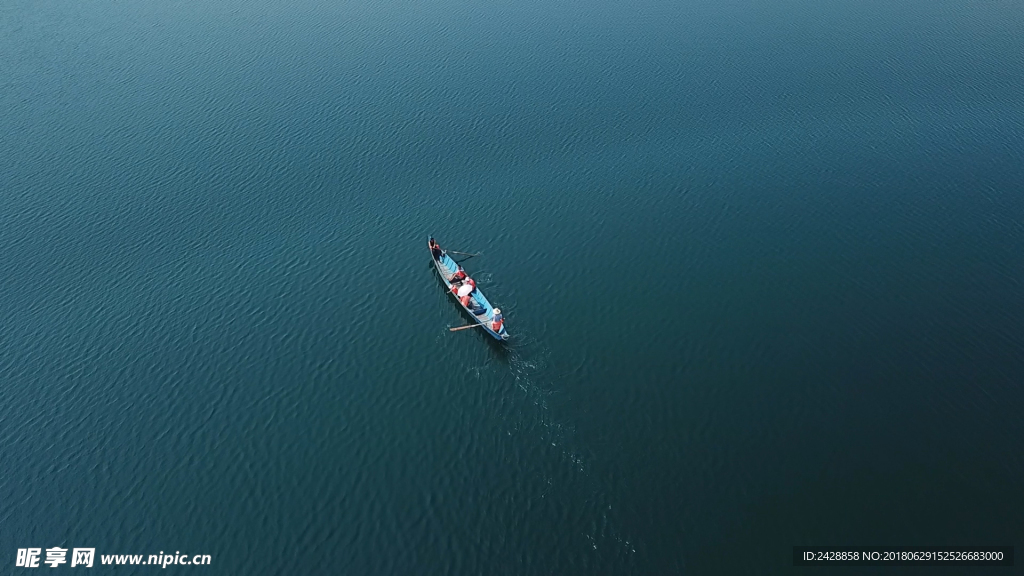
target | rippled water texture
x=763, y=261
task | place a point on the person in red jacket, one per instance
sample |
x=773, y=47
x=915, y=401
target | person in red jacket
x=459, y=276
x=498, y=320
x=435, y=249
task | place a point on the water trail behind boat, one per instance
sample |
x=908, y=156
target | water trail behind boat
x=533, y=406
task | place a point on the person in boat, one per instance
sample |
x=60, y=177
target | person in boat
x=459, y=276
x=472, y=305
x=456, y=284
x=464, y=290
x=498, y=321
x=435, y=249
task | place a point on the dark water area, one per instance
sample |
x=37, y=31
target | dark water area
x=763, y=264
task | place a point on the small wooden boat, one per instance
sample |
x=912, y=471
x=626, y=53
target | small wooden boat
x=480, y=309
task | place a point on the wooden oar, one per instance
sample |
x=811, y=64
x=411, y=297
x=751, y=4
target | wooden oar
x=463, y=253
x=463, y=328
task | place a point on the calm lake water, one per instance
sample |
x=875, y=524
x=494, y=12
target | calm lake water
x=763, y=263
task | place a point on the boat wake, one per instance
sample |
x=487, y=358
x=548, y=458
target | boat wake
x=537, y=408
